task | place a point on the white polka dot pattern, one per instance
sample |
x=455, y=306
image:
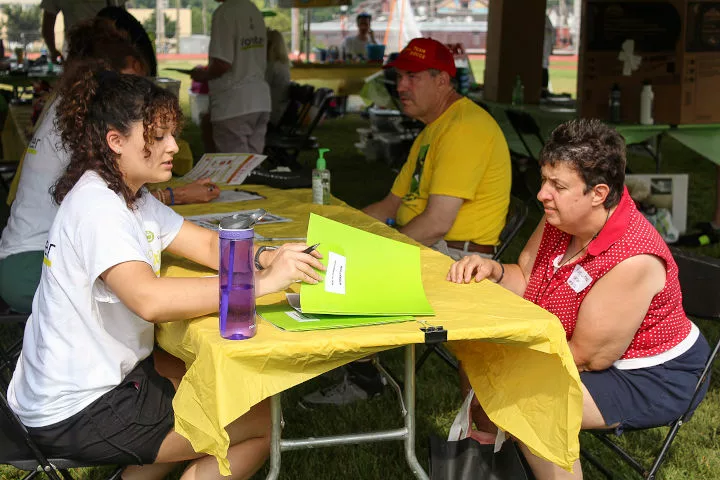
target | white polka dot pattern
x=665, y=324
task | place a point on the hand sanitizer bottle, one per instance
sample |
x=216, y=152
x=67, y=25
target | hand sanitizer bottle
x=321, y=180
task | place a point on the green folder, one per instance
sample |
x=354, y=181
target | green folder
x=283, y=316
x=366, y=274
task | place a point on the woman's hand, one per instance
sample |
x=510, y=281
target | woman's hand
x=471, y=266
x=199, y=191
x=199, y=73
x=289, y=265
x=268, y=256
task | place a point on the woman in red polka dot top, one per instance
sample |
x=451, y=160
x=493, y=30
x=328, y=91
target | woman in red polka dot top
x=597, y=264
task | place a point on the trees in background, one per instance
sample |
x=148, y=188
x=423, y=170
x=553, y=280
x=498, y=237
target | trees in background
x=22, y=23
x=150, y=25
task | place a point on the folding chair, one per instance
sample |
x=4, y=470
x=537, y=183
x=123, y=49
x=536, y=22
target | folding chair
x=526, y=164
x=288, y=146
x=18, y=449
x=516, y=216
x=525, y=126
x=11, y=333
x=300, y=98
x=699, y=278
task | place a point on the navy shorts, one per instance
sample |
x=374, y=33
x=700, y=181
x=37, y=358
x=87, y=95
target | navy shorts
x=125, y=426
x=649, y=397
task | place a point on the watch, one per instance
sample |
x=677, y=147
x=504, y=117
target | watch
x=257, y=256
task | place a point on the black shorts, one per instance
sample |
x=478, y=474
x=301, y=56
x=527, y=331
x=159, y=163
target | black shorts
x=125, y=426
x=652, y=396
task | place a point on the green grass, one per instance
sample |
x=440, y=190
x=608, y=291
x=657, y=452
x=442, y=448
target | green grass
x=562, y=78
x=694, y=455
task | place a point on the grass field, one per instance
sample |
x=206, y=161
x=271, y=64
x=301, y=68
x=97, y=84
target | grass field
x=563, y=74
x=695, y=454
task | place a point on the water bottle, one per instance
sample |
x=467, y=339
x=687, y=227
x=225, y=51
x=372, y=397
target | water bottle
x=614, y=104
x=518, y=93
x=646, y=104
x=237, y=279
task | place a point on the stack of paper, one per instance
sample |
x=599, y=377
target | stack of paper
x=224, y=168
x=212, y=220
x=369, y=279
x=289, y=316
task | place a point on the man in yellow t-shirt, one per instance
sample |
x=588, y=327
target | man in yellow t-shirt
x=452, y=193
x=454, y=190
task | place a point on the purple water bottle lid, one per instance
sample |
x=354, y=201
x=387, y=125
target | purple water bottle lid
x=233, y=228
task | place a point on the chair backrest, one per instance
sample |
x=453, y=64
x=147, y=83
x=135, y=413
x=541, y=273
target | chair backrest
x=699, y=280
x=300, y=100
x=525, y=126
x=516, y=216
x=11, y=333
x=323, y=99
x=484, y=106
x=17, y=448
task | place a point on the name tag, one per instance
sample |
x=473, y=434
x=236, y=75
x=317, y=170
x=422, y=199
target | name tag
x=335, y=274
x=579, y=279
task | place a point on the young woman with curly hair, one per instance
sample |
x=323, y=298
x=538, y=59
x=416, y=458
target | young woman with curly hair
x=87, y=384
x=33, y=210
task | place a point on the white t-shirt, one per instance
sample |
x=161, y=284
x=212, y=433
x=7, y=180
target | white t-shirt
x=548, y=42
x=278, y=77
x=356, y=46
x=75, y=11
x=33, y=210
x=239, y=38
x=80, y=340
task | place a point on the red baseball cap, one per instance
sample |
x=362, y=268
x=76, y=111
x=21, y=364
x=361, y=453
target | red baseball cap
x=424, y=54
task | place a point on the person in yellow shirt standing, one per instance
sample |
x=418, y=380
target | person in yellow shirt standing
x=453, y=192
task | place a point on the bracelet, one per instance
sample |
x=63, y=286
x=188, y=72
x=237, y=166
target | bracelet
x=172, y=195
x=502, y=272
x=257, y=256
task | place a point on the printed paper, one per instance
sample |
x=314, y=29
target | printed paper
x=224, y=168
x=212, y=220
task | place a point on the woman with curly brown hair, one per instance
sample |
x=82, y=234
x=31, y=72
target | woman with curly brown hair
x=33, y=210
x=86, y=383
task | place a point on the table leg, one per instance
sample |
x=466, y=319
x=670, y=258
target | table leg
x=658, y=153
x=275, y=448
x=410, y=415
x=407, y=434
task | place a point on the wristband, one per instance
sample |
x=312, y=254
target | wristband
x=172, y=195
x=502, y=272
x=257, y=256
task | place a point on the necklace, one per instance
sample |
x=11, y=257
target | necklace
x=541, y=294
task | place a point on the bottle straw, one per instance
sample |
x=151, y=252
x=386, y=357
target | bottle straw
x=225, y=291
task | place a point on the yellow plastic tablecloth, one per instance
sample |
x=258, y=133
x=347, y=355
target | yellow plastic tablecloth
x=523, y=372
x=345, y=78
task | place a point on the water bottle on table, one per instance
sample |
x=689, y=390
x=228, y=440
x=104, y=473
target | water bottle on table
x=237, y=279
